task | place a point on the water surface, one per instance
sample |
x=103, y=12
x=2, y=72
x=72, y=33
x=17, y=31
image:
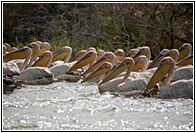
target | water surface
x=76, y=106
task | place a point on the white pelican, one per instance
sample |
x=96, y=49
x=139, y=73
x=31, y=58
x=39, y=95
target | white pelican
x=44, y=46
x=25, y=52
x=173, y=53
x=103, y=69
x=8, y=47
x=185, y=51
x=100, y=53
x=35, y=52
x=64, y=53
x=132, y=53
x=141, y=64
x=135, y=82
x=108, y=57
x=120, y=54
x=179, y=89
x=60, y=71
x=44, y=60
x=154, y=64
x=39, y=73
x=145, y=50
x=89, y=58
x=79, y=55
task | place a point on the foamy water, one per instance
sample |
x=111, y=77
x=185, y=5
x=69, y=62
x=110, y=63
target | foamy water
x=76, y=106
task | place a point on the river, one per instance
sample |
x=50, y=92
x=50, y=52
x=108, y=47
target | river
x=75, y=106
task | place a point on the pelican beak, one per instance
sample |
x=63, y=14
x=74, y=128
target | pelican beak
x=115, y=72
x=186, y=61
x=159, y=74
x=138, y=65
x=43, y=59
x=137, y=55
x=100, y=71
x=129, y=55
x=79, y=56
x=32, y=48
x=119, y=56
x=96, y=65
x=17, y=54
x=156, y=60
x=59, y=55
x=84, y=61
x=42, y=49
x=182, y=53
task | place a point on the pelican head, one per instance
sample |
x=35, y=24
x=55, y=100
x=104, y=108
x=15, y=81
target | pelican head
x=127, y=63
x=100, y=53
x=142, y=51
x=34, y=47
x=108, y=57
x=44, y=60
x=103, y=69
x=61, y=54
x=173, y=53
x=132, y=53
x=161, y=72
x=18, y=54
x=80, y=54
x=8, y=47
x=84, y=61
x=141, y=63
x=120, y=54
x=45, y=46
x=91, y=48
x=184, y=51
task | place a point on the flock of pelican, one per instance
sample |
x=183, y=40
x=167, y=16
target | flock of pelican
x=169, y=75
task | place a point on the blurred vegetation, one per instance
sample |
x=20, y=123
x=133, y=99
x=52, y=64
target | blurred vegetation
x=106, y=26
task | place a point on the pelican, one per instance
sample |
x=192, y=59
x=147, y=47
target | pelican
x=8, y=47
x=141, y=64
x=154, y=64
x=35, y=75
x=60, y=71
x=35, y=52
x=132, y=53
x=100, y=53
x=61, y=54
x=135, y=82
x=108, y=57
x=120, y=54
x=79, y=55
x=91, y=49
x=178, y=89
x=44, y=60
x=143, y=51
x=173, y=53
x=38, y=73
x=44, y=46
x=64, y=53
x=89, y=58
x=18, y=54
x=185, y=51
x=104, y=70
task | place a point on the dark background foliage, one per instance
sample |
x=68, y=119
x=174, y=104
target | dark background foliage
x=105, y=26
